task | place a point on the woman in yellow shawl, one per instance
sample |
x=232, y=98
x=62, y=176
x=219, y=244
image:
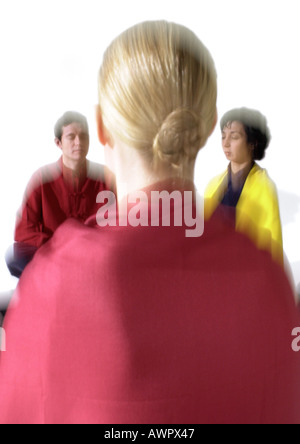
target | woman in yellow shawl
x=245, y=192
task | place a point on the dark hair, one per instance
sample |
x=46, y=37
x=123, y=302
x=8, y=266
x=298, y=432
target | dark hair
x=68, y=118
x=256, y=128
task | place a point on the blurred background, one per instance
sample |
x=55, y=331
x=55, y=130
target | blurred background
x=50, y=54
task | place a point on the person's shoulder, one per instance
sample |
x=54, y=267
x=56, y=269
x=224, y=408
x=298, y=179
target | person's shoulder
x=45, y=174
x=260, y=178
x=215, y=183
x=260, y=173
x=78, y=234
x=72, y=235
x=75, y=245
x=234, y=253
x=231, y=246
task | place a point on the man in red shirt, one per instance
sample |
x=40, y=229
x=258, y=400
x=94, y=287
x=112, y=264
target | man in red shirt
x=56, y=192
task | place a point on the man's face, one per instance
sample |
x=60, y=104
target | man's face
x=74, y=142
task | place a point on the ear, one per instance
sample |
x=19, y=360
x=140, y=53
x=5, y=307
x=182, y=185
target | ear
x=253, y=146
x=104, y=136
x=58, y=142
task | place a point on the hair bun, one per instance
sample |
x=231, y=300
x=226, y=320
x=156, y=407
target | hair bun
x=179, y=137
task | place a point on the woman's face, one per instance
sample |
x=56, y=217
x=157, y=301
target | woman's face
x=235, y=144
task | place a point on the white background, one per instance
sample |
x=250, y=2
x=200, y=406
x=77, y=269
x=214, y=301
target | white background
x=50, y=53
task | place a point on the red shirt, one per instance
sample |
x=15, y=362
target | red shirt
x=53, y=195
x=144, y=325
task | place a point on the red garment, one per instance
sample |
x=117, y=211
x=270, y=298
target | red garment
x=53, y=195
x=144, y=325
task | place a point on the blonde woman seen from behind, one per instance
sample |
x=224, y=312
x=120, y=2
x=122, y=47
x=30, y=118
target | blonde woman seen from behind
x=157, y=94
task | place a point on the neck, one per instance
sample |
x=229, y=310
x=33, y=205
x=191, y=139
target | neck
x=74, y=165
x=237, y=167
x=133, y=173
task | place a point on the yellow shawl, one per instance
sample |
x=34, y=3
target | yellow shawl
x=257, y=212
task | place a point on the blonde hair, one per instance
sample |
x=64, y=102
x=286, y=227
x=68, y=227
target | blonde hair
x=158, y=92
